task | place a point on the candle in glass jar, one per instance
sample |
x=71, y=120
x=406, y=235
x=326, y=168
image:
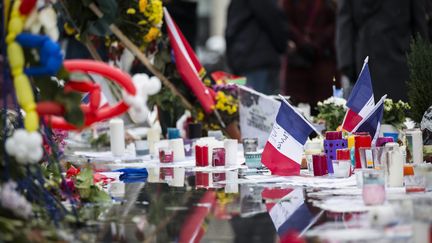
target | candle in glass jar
x=361, y=141
x=373, y=187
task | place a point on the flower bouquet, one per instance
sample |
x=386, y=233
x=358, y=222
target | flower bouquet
x=332, y=112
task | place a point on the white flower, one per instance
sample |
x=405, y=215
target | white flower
x=335, y=101
x=12, y=200
x=25, y=146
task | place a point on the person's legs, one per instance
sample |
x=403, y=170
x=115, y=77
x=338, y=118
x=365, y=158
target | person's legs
x=263, y=80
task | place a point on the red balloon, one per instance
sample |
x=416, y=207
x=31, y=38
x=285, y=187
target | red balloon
x=92, y=112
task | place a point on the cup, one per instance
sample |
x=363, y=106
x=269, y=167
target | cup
x=141, y=148
x=373, y=187
x=341, y=168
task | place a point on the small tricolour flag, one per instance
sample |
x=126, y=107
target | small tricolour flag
x=284, y=148
x=361, y=100
x=372, y=122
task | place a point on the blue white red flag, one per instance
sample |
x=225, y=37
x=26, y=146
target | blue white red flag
x=361, y=100
x=372, y=122
x=284, y=148
x=289, y=213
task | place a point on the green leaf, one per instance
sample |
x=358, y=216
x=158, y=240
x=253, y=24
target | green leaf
x=85, y=178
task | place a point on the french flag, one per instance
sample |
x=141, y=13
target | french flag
x=372, y=122
x=284, y=148
x=289, y=214
x=361, y=100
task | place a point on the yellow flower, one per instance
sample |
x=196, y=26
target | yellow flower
x=200, y=116
x=69, y=29
x=154, y=12
x=142, y=22
x=131, y=11
x=142, y=5
x=152, y=34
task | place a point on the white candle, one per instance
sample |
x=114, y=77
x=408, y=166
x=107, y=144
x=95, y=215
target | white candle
x=153, y=136
x=178, y=148
x=117, y=137
x=394, y=169
x=179, y=177
x=230, y=146
x=231, y=185
x=153, y=174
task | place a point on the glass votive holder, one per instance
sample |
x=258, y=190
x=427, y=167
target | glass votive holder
x=166, y=155
x=415, y=183
x=173, y=133
x=341, y=168
x=250, y=145
x=425, y=170
x=373, y=187
x=141, y=148
x=374, y=157
x=218, y=157
x=319, y=164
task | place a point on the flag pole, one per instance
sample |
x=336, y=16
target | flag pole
x=304, y=118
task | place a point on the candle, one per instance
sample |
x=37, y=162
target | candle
x=231, y=185
x=153, y=174
x=202, y=179
x=361, y=141
x=333, y=135
x=177, y=146
x=319, y=164
x=188, y=145
x=194, y=130
x=166, y=155
x=394, y=168
x=179, y=177
x=218, y=157
x=230, y=146
x=373, y=187
x=414, y=141
x=173, y=133
x=330, y=147
x=381, y=141
x=343, y=154
x=341, y=168
x=250, y=144
x=215, y=134
x=153, y=136
x=117, y=137
x=141, y=148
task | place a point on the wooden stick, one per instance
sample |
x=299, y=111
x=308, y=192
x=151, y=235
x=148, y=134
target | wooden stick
x=144, y=60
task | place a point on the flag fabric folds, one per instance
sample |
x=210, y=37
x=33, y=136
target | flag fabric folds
x=372, y=122
x=283, y=151
x=188, y=65
x=361, y=100
x=290, y=213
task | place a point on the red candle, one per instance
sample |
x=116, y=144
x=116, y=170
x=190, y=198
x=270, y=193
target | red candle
x=205, y=159
x=198, y=155
x=343, y=154
x=361, y=141
x=319, y=164
x=333, y=135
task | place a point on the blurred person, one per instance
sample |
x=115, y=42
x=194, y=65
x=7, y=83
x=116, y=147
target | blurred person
x=310, y=69
x=382, y=30
x=255, y=39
